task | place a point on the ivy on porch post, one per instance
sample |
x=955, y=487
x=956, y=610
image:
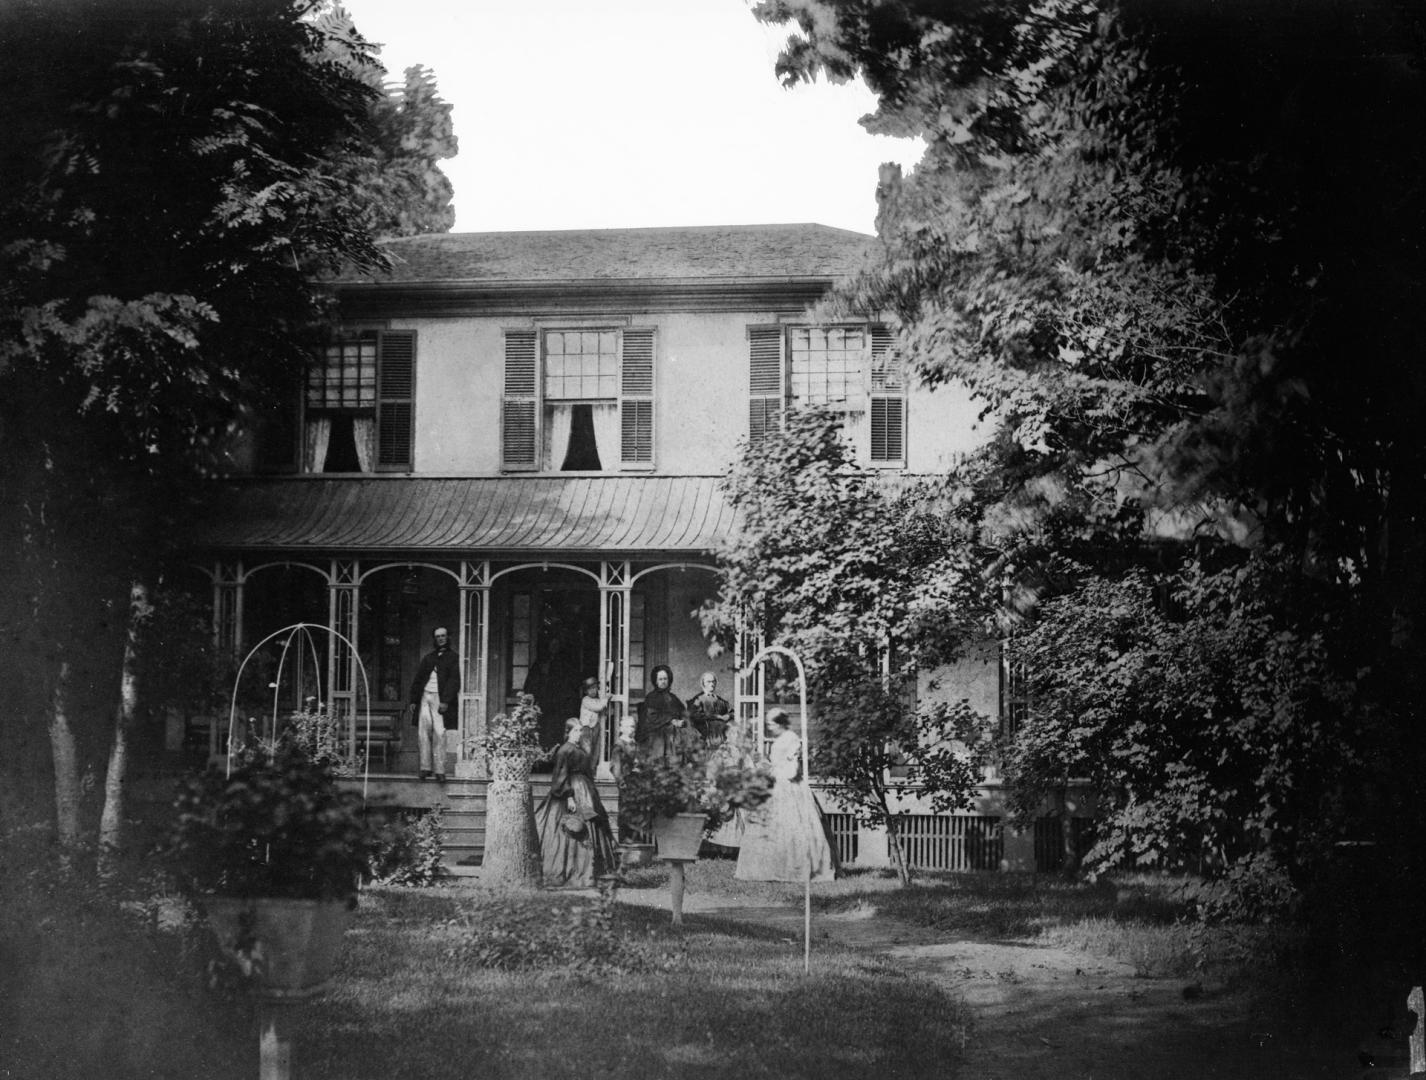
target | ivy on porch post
x=342, y=585
x=474, y=665
x=615, y=587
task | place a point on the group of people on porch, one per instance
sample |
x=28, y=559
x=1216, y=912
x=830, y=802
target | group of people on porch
x=784, y=840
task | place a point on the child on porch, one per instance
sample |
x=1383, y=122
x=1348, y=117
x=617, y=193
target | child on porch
x=593, y=708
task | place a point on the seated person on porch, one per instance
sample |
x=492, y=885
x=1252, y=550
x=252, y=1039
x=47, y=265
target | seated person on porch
x=709, y=713
x=435, y=693
x=661, y=723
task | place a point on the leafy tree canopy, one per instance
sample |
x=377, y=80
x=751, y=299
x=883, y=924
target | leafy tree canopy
x=835, y=564
x=1175, y=251
x=175, y=179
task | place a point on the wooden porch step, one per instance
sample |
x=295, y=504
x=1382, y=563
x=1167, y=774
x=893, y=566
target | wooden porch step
x=462, y=803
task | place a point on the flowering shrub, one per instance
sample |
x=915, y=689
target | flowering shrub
x=712, y=782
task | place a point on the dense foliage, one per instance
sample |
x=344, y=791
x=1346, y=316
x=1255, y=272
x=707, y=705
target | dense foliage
x=1174, y=250
x=716, y=782
x=410, y=851
x=514, y=733
x=175, y=179
x=1216, y=728
x=834, y=564
x=277, y=824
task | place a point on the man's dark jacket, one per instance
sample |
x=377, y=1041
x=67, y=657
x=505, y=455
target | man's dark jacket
x=447, y=668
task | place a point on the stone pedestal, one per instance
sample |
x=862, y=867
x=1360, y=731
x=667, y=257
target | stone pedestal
x=512, y=844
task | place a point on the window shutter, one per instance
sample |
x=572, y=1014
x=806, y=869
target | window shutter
x=396, y=400
x=636, y=400
x=766, y=381
x=888, y=401
x=519, y=414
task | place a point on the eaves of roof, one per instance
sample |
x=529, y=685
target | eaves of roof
x=511, y=298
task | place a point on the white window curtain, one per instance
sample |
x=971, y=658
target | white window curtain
x=364, y=434
x=315, y=440
x=606, y=433
x=561, y=420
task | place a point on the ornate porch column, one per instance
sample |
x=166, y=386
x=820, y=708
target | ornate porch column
x=615, y=587
x=228, y=578
x=474, y=665
x=342, y=677
x=228, y=607
x=750, y=701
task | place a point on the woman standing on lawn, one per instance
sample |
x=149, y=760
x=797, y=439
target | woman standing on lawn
x=785, y=839
x=576, y=846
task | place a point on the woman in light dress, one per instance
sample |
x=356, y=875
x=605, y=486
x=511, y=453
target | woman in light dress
x=786, y=839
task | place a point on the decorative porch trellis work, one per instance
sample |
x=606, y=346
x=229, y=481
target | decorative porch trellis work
x=476, y=535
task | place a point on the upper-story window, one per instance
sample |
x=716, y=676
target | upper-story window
x=358, y=410
x=578, y=399
x=850, y=369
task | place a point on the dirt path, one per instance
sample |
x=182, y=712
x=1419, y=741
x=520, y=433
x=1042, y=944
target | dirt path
x=1041, y=1013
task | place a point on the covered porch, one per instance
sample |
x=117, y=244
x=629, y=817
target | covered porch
x=540, y=581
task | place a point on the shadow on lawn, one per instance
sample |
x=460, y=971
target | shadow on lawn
x=1008, y=906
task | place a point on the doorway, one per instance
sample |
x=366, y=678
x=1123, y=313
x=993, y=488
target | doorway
x=558, y=627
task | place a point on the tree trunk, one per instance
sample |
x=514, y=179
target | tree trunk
x=111, y=821
x=893, y=842
x=512, y=845
x=67, y=790
x=1069, y=856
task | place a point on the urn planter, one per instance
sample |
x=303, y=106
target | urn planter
x=678, y=836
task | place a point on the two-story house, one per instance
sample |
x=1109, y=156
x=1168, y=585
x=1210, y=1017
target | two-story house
x=519, y=437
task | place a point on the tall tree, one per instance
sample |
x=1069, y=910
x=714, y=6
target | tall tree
x=1175, y=251
x=176, y=177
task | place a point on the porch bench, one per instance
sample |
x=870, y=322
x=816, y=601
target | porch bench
x=385, y=734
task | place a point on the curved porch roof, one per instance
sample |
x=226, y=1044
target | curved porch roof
x=507, y=515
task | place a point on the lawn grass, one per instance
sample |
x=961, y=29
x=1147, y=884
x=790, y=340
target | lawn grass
x=1141, y=919
x=718, y=1001
x=85, y=992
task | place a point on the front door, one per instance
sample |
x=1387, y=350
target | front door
x=564, y=638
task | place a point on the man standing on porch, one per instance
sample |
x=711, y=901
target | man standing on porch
x=434, y=694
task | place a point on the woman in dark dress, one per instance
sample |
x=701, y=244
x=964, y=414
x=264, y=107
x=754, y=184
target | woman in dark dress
x=576, y=846
x=661, y=722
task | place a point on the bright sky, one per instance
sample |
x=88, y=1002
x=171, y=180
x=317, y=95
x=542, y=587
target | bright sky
x=581, y=114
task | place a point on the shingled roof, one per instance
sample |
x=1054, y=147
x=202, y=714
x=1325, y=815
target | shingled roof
x=778, y=252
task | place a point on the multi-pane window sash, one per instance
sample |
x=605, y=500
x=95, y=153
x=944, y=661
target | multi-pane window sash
x=346, y=377
x=373, y=373
x=855, y=368
x=577, y=365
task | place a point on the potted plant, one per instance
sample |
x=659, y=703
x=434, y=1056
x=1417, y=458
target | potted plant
x=273, y=850
x=681, y=799
x=512, y=740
